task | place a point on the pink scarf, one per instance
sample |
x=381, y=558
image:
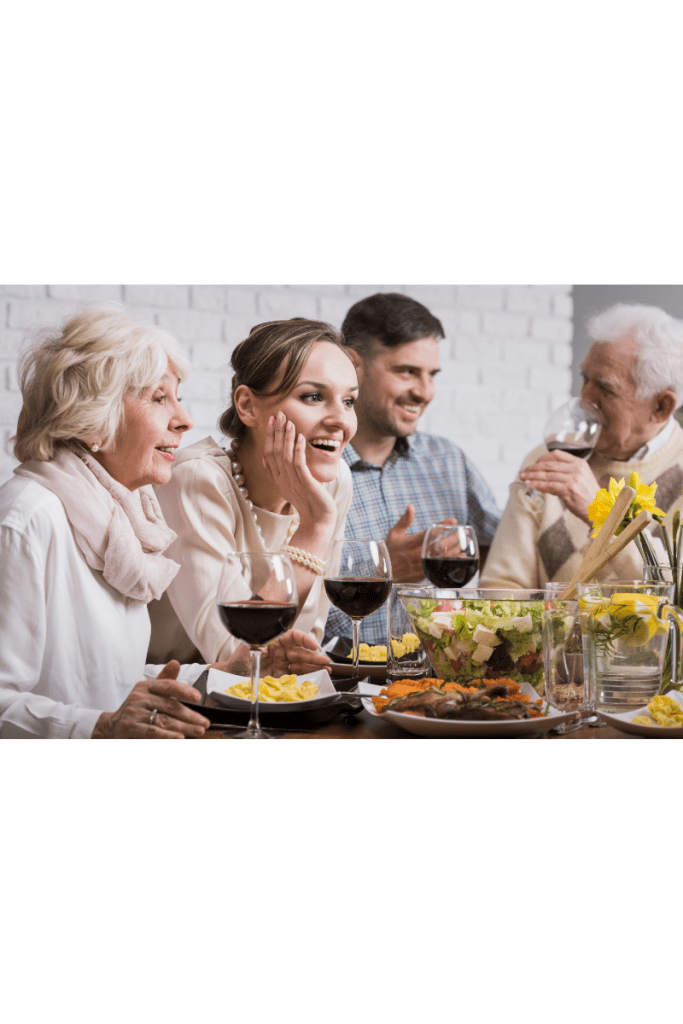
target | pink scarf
x=121, y=533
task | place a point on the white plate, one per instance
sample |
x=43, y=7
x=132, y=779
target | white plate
x=443, y=727
x=219, y=682
x=626, y=724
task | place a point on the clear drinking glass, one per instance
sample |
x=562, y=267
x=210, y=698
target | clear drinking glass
x=414, y=665
x=257, y=602
x=566, y=686
x=450, y=555
x=358, y=582
x=625, y=626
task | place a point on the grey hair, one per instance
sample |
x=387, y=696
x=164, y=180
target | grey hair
x=659, y=339
x=74, y=377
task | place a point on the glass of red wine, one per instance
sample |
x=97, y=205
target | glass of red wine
x=575, y=428
x=257, y=602
x=450, y=555
x=358, y=582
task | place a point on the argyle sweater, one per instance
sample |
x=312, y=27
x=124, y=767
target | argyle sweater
x=533, y=546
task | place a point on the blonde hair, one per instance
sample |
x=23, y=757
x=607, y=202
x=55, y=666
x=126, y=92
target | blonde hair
x=274, y=348
x=73, y=378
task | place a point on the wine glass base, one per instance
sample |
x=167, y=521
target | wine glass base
x=248, y=734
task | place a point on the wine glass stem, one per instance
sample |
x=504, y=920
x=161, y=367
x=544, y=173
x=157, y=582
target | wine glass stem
x=355, y=633
x=254, y=727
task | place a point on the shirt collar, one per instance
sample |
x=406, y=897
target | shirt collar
x=655, y=443
x=401, y=450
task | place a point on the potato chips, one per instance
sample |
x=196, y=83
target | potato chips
x=273, y=691
x=378, y=653
x=665, y=711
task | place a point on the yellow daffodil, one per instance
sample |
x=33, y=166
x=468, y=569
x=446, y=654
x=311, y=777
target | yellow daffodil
x=601, y=507
x=645, y=496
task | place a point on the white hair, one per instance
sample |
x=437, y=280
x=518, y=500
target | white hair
x=658, y=336
x=73, y=378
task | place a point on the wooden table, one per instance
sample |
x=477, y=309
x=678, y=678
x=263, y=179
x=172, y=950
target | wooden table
x=363, y=726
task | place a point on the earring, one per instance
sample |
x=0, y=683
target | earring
x=94, y=448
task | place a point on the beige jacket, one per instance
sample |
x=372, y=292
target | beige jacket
x=202, y=503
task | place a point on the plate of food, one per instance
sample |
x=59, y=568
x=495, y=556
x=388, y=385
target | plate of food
x=284, y=694
x=430, y=707
x=373, y=658
x=662, y=718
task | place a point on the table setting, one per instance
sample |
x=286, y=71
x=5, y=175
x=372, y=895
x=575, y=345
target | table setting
x=576, y=659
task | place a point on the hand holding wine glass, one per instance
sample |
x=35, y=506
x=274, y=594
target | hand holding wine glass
x=450, y=555
x=572, y=430
x=358, y=581
x=257, y=602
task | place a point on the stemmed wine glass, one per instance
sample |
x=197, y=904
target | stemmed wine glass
x=450, y=555
x=257, y=602
x=575, y=428
x=358, y=582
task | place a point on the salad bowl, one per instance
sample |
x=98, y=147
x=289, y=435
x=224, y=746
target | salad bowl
x=475, y=634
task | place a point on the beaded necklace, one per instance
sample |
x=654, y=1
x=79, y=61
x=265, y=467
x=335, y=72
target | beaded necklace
x=238, y=477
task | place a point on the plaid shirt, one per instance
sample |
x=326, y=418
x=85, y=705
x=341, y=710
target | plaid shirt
x=437, y=479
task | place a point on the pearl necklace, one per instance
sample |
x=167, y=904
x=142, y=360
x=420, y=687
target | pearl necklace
x=238, y=477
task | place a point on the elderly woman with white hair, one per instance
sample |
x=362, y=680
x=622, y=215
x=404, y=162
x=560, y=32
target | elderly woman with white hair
x=82, y=535
x=633, y=373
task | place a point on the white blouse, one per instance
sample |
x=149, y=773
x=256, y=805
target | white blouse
x=71, y=646
x=203, y=504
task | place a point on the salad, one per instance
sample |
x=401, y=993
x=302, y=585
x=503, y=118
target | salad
x=471, y=639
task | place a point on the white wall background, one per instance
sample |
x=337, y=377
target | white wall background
x=506, y=358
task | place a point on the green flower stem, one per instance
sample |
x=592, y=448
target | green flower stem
x=667, y=544
x=645, y=549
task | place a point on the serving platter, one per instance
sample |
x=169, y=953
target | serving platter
x=625, y=723
x=460, y=729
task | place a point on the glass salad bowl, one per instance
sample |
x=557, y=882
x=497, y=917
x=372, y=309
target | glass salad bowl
x=480, y=635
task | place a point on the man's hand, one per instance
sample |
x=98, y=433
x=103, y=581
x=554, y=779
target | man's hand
x=405, y=549
x=568, y=478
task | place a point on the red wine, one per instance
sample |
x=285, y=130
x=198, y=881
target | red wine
x=560, y=446
x=450, y=572
x=257, y=622
x=358, y=597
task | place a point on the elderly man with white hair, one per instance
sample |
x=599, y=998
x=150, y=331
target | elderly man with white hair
x=633, y=373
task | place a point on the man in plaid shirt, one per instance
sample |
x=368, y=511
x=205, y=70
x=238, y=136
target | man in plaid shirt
x=402, y=480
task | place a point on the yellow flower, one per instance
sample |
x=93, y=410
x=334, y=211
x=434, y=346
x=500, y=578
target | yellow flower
x=645, y=496
x=601, y=507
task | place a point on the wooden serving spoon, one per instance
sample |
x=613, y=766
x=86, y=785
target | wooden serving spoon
x=595, y=559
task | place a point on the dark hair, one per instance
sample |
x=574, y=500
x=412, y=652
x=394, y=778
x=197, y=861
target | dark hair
x=388, y=319
x=278, y=347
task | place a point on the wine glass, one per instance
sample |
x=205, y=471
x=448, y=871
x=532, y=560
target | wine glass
x=358, y=582
x=575, y=428
x=450, y=555
x=257, y=602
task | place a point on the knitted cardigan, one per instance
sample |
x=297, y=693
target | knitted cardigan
x=533, y=546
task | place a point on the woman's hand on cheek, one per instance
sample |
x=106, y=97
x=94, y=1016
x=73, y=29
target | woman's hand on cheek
x=285, y=462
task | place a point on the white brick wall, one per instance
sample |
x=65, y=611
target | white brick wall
x=506, y=360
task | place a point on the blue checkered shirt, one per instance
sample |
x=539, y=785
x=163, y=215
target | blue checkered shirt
x=437, y=479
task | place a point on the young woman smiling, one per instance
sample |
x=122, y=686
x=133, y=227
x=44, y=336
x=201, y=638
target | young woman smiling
x=281, y=486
